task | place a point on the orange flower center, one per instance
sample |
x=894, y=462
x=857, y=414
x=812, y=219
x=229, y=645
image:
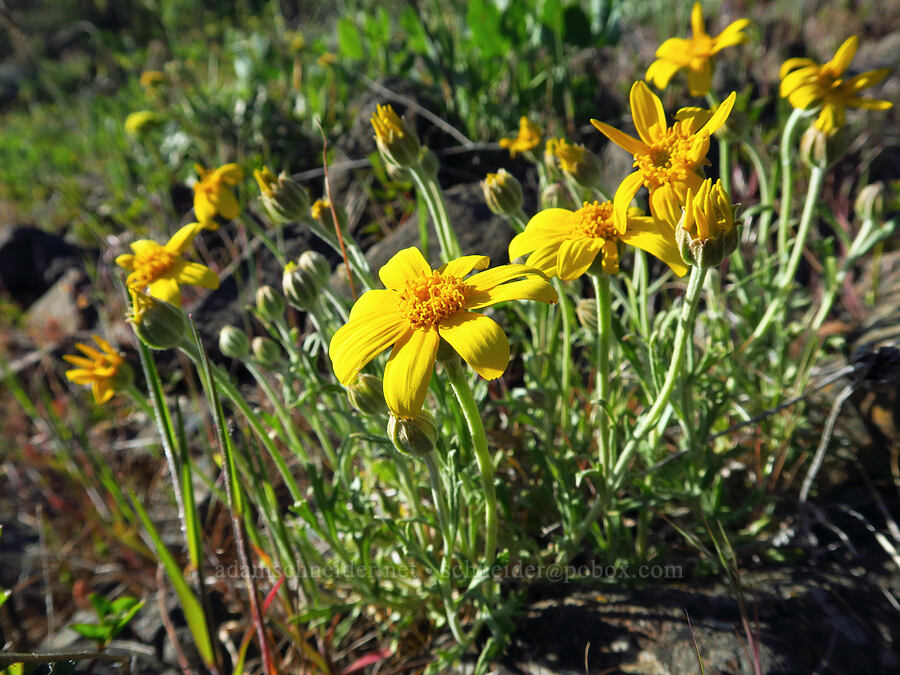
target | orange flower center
x=670, y=158
x=427, y=300
x=595, y=221
x=150, y=266
x=701, y=46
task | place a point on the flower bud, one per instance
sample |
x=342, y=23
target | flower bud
x=320, y=211
x=706, y=233
x=428, y=162
x=317, y=264
x=233, y=342
x=300, y=285
x=151, y=80
x=577, y=162
x=269, y=303
x=396, y=142
x=503, y=193
x=586, y=312
x=284, y=199
x=415, y=436
x=869, y=203
x=142, y=122
x=157, y=324
x=820, y=149
x=266, y=352
x=366, y=395
x=556, y=196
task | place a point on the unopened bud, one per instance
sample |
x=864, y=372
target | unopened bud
x=577, y=162
x=556, y=196
x=503, y=193
x=869, y=203
x=819, y=149
x=158, y=324
x=269, y=303
x=415, y=436
x=266, y=352
x=233, y=342
x=321, y=212
x=706, y=233
x=586, y=312
x=396, y=142
x=284, y=199
x=317, y=264
x=366, y=395
x=428, y=162
x=301, y=286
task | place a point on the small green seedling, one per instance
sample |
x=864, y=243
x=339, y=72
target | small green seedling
x=112, y=618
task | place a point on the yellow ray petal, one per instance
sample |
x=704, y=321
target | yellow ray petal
x=485, y=281
x=697, y=25
x=647, y=236
x=195, y=274
x=531, y=288
x=479, y=341
x=375, y=302
x=576, y=256
x=183, y=238
x=717, y=119
x=677, y=50
x=226, y=204
x=626, y=191
x=408, y=372
x=125, y=260
x=623, y=140
x=732, y=35
x=231, y=173
x=361, y=340
x=699, y=81
x=462, y=266
x=548, y=227
x=793, y=63
x=647, y=112
x=407, y=263
x=166, y=290
x=661, y=72
x=843, y=56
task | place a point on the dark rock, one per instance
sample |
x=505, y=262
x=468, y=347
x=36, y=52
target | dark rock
x=32, y=260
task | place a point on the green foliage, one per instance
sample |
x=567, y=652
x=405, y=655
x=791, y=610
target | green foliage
x=112, y=617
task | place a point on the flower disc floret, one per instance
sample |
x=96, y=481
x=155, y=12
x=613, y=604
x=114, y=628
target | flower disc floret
x=428, y=300
x=595, y=220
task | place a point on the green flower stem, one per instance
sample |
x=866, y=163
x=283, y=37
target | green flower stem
x=786, y=279
x=649, y=419
x=517, y=221
x=787, y=182
x=602, y=388
x=282, y=412
x=355, y=256
x=766, y=195
x=682, y=335
x=725, y=164
x=469, y=406
x=250, y=220
x=226, y=387
x=434, y=198
x=566, y=352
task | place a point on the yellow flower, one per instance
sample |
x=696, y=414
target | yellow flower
x=150, y=79
x=396, y=142
x=582, y=165
x=695, y=54
x=419, y=308
x=529, y=138
x=141, y=121
x=212, y=197
x=160, y=269
x=105, y=370
x=805, y=83
x=669, y=160
x=565, y=243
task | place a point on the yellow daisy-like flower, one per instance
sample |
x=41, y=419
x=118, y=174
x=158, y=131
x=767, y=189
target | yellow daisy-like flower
x=694, y=54
x=150, y=79
x=160, y=269
x=529, y=137
x=212, y=195
x=105, y=369
x=420, y=307
x=805, y=83
x=565, y=243
x=669, y=160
